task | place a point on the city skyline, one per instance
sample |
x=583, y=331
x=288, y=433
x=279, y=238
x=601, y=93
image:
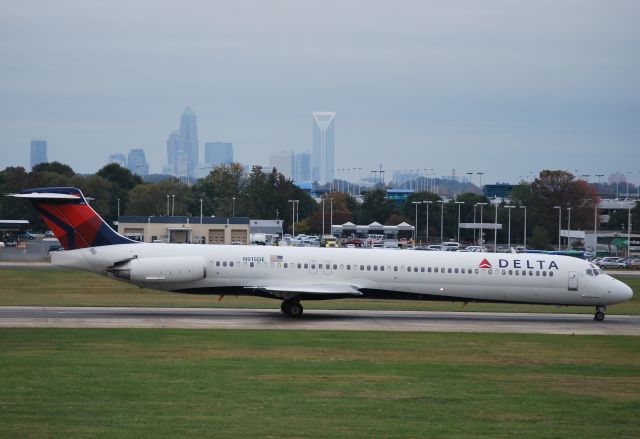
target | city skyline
x=493, y=87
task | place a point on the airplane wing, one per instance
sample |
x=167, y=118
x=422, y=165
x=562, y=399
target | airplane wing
x=310, y=289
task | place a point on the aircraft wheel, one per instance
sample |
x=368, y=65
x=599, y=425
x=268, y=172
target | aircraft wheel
x=284, y=306
x=295, y=309
x=598, y=316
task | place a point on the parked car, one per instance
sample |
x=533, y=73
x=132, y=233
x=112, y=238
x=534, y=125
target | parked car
x=49, y=234
x=26, y=236
x=632, y=263
x=10, y=241
x=611, y=262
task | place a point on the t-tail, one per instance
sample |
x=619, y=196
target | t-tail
x=67, y=213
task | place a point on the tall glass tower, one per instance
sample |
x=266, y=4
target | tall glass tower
x=324, y=148
x=188, y=144
x=38, y=152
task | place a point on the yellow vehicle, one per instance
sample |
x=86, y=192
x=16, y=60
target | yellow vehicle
x=329, y=241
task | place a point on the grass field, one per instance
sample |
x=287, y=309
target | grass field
x=186, y=383
x=55, y=287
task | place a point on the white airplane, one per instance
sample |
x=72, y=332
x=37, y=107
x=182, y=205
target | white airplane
x=292, y=274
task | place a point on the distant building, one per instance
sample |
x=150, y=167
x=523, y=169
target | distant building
x=38, y=152
x=497, y=190
x=183, y=149
x=302, y=167
x=283, y=162
x=137, y=162
x=218, y=153
x=172, y=151
x=188, y=143
x=324, y=154
x=118, y=158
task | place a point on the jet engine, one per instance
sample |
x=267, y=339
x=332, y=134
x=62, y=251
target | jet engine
x=170, y=269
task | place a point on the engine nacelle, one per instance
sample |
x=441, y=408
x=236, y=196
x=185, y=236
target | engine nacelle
x=170, y=269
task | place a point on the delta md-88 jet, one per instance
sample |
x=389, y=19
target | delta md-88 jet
x=293, y=274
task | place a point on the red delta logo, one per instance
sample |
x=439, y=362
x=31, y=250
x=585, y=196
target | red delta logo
x=485, y=264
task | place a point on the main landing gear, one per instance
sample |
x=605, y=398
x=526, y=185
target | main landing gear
x=292, y=308
x=599, y=315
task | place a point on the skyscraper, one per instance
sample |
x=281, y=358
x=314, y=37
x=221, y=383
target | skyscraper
x=218, y=153
x=172, y=151
x=324, y=154
x=118, y=158
x=188, y=144
x=137, y=162
x=283, y=162
x=302, y=167
x=38, y=151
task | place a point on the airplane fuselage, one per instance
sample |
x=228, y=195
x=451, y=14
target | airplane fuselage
x=318, y=273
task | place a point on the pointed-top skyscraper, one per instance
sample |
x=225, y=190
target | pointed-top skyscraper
x=188, y=145
x=324, y=148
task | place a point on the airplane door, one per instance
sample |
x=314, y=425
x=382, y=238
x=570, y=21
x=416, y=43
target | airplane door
x=573, y=281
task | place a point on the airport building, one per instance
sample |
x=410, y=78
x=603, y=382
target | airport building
x=185, y=229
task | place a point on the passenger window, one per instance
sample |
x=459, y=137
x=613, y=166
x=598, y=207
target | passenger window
x=395, y=268
x=435, y=269
x=415, y=269
x=551, y=274
x=251, y=264
x=442, y=270
x=286, y=265
x=530, y=272
x=402, y=268
x=313, y=266
x=462, y=270
x=335, y=266
x=375, y=268
x=300, y=265
x=422, y=269
x=348, y=267
x=517, y=272
x=537, y=273
x=306, y=266
x=224, y=263
x=477, y=270
x=455, y=270
x=382, y=268
x=510, y=272
x=231, y=264
x=217, y=263
x=244, y=265
x=490, y=271
x=544, y=274
x=429, y=269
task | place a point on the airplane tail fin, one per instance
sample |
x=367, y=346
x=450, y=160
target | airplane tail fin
x=66, y=212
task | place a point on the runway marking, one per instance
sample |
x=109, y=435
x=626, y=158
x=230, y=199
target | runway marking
x=349, y=320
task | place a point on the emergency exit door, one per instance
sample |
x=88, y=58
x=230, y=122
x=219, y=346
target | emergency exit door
x=573, y=281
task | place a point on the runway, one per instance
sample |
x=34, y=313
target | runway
x=349, y=320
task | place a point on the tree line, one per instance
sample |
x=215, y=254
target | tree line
x=228, y=190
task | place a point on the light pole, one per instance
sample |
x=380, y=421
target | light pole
x=481, y=206
x=200, y=210
x=118, y=209
x=525, y=226
x=480, y=174
x=569, y=227
x=173, y=204
x=459, y=203
x=474, y=223
x=293, y=216
x=629, y=234
x=595, y=229
x=509, y=234
x=441, y=221
x=167, y=205
x=331, y=216
x=233, y=207
x=323, y=216
x=427, y=233
x=495, y=228
x=415, y=230
x=559, y=224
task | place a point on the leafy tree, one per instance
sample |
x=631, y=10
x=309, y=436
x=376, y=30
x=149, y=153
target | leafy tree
x=122, y=181
x=55, y=168
x=220, y=187
x=151, y=199
x=376, y=207
x=540, y=239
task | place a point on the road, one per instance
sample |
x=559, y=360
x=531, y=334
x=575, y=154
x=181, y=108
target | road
x=352, y=320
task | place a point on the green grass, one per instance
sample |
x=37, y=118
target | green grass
x=56, y=287
x=187, y=383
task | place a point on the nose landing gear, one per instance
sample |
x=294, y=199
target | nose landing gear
x=599, y=315
x=292, y=308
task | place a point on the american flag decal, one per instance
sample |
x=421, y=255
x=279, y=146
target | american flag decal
x=275, y=258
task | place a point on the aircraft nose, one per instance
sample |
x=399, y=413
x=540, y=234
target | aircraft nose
x=622, y=292
x=627, y=293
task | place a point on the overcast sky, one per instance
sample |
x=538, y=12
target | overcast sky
x=499, y=86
